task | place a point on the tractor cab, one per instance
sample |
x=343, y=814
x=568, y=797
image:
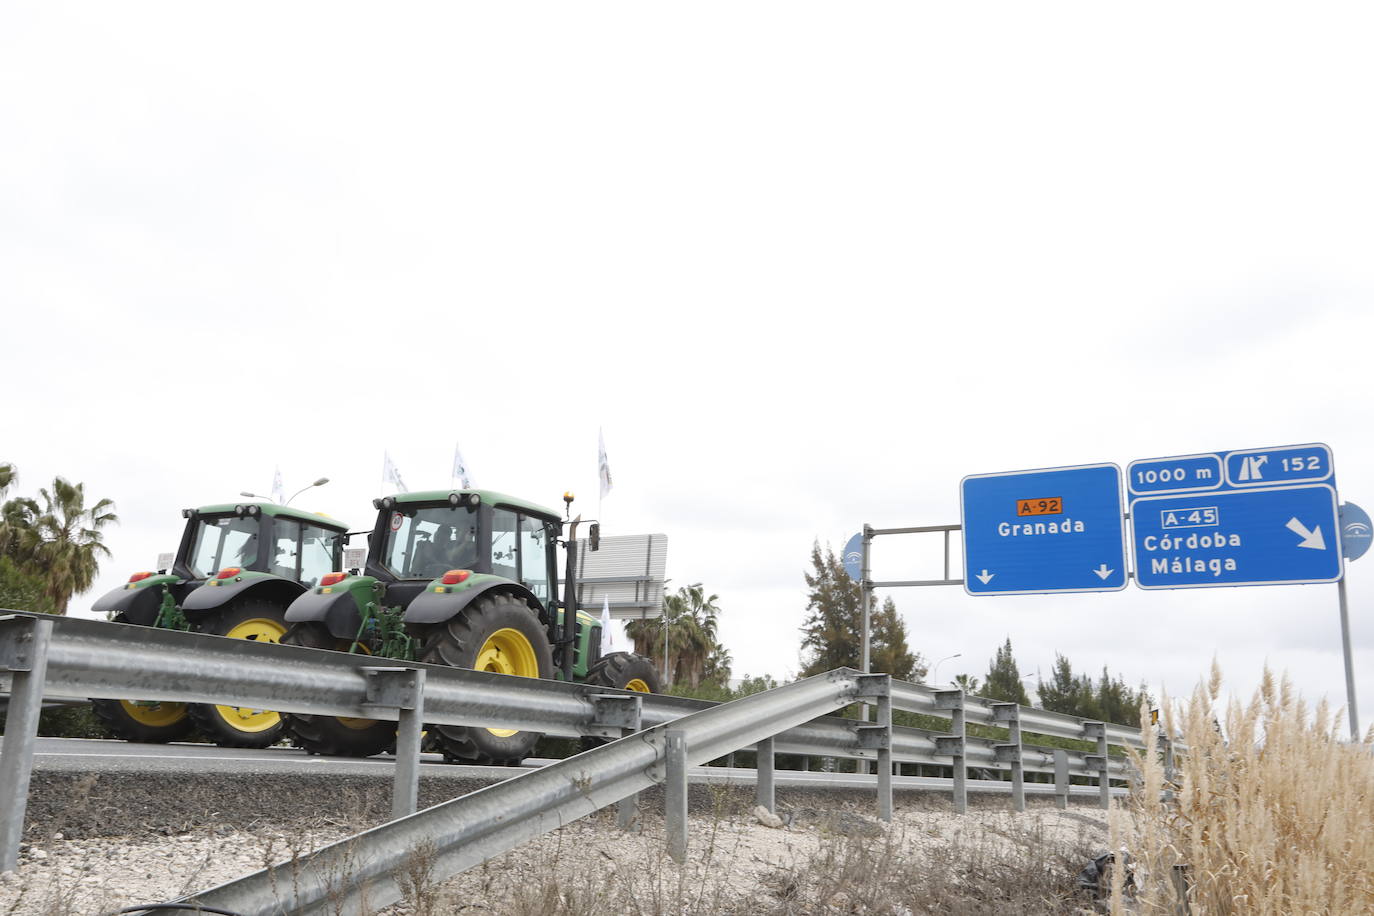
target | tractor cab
x=421, y=537
x=259, y=537
x=263, y=541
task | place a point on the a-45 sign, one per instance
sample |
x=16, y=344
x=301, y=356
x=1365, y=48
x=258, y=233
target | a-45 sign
x=1248, y=517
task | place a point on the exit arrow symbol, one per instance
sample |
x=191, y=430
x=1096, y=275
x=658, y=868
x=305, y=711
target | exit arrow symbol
x=985, y=577
x=1310, y=539
x=1103, y=572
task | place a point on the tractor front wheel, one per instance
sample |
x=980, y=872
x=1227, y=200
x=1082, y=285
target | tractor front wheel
x=242, y=726
x=497, y=633
x=143, y=721
x=147, y=722
x=333, y=736
x=624, y=671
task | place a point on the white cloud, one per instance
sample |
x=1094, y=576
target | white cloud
x=808, y=266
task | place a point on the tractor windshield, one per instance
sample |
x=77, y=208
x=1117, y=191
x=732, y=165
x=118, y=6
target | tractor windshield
x=428, y=542
x=223, y=541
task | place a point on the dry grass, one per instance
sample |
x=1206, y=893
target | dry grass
x=1269, y=812
x=1015, y=867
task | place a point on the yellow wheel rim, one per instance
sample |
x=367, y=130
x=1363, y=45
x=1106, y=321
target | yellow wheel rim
x=243, y=718
x=154, y=715
x=349, y=721
x=507, y=651
x=638, y=686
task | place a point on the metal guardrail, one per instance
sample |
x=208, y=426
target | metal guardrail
x=469, y=830
x=83, y=658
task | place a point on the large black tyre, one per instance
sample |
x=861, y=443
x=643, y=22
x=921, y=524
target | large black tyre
x=499, y=633
x=333, y=736
x=624, y=671
x=150, y=723
x=238, y=726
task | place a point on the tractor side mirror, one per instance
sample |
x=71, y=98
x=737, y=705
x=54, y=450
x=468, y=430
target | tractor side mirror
x=594, y=536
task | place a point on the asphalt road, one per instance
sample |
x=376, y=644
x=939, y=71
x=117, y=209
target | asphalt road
x=90, y=755
x=73, y=755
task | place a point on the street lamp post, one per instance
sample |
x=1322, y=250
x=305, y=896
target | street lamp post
x=319, y=483
x=935, y=678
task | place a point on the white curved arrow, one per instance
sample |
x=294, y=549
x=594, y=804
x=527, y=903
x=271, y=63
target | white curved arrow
x=1310, y=539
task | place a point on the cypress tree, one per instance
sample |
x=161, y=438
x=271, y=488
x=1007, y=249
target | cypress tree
x=1004, y=678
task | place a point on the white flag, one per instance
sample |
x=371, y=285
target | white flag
x=603, y=468
x=607, y=640
x=278, y=492
x=390, y=474
x=460, y=468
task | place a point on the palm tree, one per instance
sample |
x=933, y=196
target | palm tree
x=69, y=540
x=8, y=474
x=967, y=683
x=18, y=538
x=690, y=624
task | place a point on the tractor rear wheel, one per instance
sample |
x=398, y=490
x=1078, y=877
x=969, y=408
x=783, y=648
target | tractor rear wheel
x=148, y=722
x=624, y=671
x=242, y=726
x=497, y=633
x=333, y=736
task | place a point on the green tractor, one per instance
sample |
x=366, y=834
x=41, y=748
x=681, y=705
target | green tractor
x=464, y=578
x=236, y=571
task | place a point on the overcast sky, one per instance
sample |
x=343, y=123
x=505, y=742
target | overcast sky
x=808, y=265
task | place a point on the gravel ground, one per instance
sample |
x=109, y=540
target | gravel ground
x=90, y=854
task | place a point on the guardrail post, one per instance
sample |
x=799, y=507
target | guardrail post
x=1061, y=778
x=764, y=794
x=622, y=714
x=1010, y=715
x=1179, y=878
x=23, y=651
x=878, y=737
x=1098, y=730
x=953, y=744
x=885, y=759
x=675, y=793
x=402, y=689
x=1167, y=747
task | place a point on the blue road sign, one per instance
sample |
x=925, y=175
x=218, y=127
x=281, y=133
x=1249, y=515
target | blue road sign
x=1247, y=517
x=854, y=557
x=1047, y=531
x=1355, y=531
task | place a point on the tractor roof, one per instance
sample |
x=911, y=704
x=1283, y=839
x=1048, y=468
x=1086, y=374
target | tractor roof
x=491, y=497
x=276, y=511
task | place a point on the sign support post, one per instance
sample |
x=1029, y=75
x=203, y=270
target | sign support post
x=865, y=592
x=1349, y=664
x=865, y=588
